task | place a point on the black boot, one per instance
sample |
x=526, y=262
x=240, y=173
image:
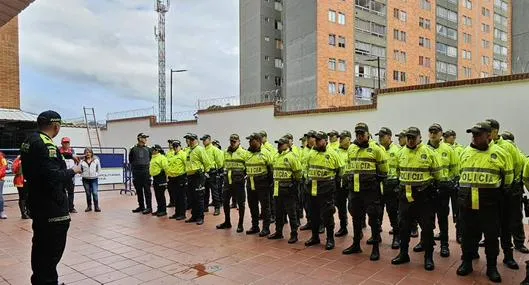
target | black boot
x=370, y=241
x=240, y=227
x=465, y=268
x=428, y=261
x=354, y=248
x=276, y=235
x=445, y=251
x=509, y=261
x=418, y=247
x=265, y=232
x=314, y=240
x=225, y=225
x=341, y=232
x=395, y=244
x=526, y=280
x=493, y=274
x=96, y=206
x=293, y=237
x=217, y=212
x=306, y=227
x=322, y=229
x=402, y=258
x=253, y=230
x=330, y=239
x=375, y=253
x=522, y=248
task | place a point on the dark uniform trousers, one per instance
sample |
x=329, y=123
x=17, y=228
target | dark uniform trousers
x=421, y=210
x=442, y=209
x=236, y=189
x=341, y=204
x=49, y=241
x=212, y=190
x=159, y=192
x=305, y=199
x=455, y=207
x=195, y=190
x=366, y=201
x=390, y=199
x=486, y=220
x=69, y=184
x=142, y=183
x=261, y=195
x=287, y=201
x=517, y=229
x=511, y=217
x=322, y=205
x=177, y=186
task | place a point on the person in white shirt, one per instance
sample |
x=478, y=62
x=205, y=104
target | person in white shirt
x=91, y=167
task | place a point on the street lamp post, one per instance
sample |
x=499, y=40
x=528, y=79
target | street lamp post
x=171, y=90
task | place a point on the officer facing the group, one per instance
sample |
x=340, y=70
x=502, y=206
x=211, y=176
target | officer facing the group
x=217, y=157
x=390, y=187
x=419, y=170
x=369, y=167
x=486, y=172
x=177, y=178
x=198, y=166
x=46, y=174
x=323, y=168
x=287, y=175
x=342, y=192
x=234, y=173
x=139, y=159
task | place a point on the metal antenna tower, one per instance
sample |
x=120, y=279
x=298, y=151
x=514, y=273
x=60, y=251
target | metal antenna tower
x=161, y=7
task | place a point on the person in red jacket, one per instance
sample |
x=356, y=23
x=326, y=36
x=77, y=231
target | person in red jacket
x=18, y=181
x=71, y=160
x=3, y=172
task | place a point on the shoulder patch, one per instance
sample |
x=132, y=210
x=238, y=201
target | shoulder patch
x=52, y=151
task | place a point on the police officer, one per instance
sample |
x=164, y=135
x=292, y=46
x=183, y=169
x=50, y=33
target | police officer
x=368, y=164
x=46, y=174
x=295, y=149
x=450, y=168
x=139, y=159
x=390, y=187
x=449, y=137
x=69, y=157
x=323, y=173
x=305, y=194
x=234, y=174
x=419, y=169
x=402, y=143
x=265, y=143
x=258, y=184
x=333, y=139
x=512, y=200
x=157, y=169
x=217, y=157
x=177, y=179
x=168, y=155
x=342, y=192
x=198, y=166
x=486, y=172
x=287, y=174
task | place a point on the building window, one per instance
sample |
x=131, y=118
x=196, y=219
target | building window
x=399, y=35
x=279, y=63
x=372, y=6
x=332, y=88
x=447, y=68
x=399, y=76
x=500, y=35
x=467, y=4
x=368, y=49
x=278, y=6
x=424, y=61
x=467, y=54
x=467, y=72
x=424, y=23
x=332, y=40
x=267, y=76
x=267, y=39
x=484, y=74
x=423, y=79
x=332, y=64
x=447, y=50
x=342, y=65
x=467, y=38
x=341, y=18
x=279, y=44
x=501, y=50
x=485, y=60
x=341, y=42
x=332, y=16
x=400, y=14
x=446, y=32
x=278, y=25
x=499, y=65
x=502, y=5
x=446, y=14
x=467, y=21
x=426, y=5
x=485, y=44
x=277, y=81
x=267, y=58
x=485, y=12
x=366, y=71
x=341, y=89
x=370, y=28
x=399, y=56
x=485, y=28
x=499, y=19
x=424, y=42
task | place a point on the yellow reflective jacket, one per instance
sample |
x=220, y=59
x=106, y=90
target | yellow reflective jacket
x=511, y=150
x=322, y=169
x=216, y=156
x=526, y=174
x=257, y=163
x=268, y=146
x=391, y=154
x=449, y=160
x=286, y=167
x=158, y=165
x=234, y=164
x=197, y=160
x=419, y=166
x=177, y=164
x=368, y=164
x=334, y=145
x=170, y=153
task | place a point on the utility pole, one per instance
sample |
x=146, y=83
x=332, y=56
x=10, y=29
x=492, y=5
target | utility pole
x=161, y=7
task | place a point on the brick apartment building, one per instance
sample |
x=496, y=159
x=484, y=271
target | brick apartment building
x=9, y=66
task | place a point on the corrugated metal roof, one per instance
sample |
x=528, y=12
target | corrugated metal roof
x=10, y=8
x=17, y=115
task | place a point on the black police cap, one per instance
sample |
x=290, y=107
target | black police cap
x=48, y=117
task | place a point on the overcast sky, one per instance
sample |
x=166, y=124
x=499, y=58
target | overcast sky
x=102, y=54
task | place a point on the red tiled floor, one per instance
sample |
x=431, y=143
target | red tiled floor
x=117, y=247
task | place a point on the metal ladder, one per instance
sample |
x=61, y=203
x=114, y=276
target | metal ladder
x=91, y=127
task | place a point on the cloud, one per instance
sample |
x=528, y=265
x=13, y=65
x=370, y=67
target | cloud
x=111, y=45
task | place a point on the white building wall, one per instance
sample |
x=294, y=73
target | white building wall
x=78, y=136
x=455, y=108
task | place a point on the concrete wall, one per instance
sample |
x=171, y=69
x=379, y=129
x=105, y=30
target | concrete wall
x=455, y=108
x=9, y=66
x=79, y=136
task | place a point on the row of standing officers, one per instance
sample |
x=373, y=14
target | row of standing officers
x=414, y=181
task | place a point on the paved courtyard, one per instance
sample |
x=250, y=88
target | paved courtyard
x=118, y=247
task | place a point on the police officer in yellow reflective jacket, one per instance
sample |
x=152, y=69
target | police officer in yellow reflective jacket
x=486, y=172
x=390, y=186
x=446, y=187
x=526, y=174
x=419, y=170
x=46, y=174
x=177, y=178
x=234, y=174
x=168, y=155
x=334, y=143
x=287, y=175
x=198, y=166
x=512, y=200
x=369, y=167
x=342, y=192
x=211, y=187
x=305, y=195
x=449, y=137
x=266, y=144
x=258, y=184
x=158, y=170
x=295, y=149
x=323, y=173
